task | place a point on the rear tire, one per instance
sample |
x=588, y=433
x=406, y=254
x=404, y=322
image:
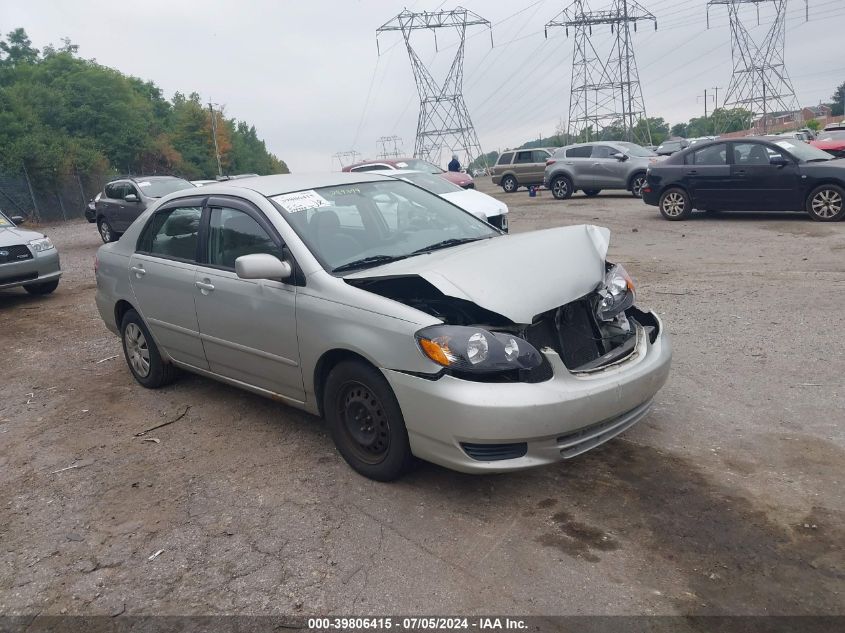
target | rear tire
x=592, y=193
x=366, y=421
x=826, y=203
x=107, y=233
x=43, y=288
x=675, y=204
x=509, y=184
x=562, y=187
x=142, y=355
x=637, y=184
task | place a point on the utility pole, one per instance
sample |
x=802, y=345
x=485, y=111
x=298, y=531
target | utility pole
x=705, y=102
x=444, y=121
x=716, y=99
x=606, y=90
x=214, y=136
x=759, y=82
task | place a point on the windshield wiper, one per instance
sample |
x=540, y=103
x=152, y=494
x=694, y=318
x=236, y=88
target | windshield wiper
x=452, y=241
x=367, y=262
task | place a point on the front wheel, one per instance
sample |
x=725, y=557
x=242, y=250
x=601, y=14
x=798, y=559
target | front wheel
x=43, y=288
x=142, y=354
x=637, y=184
x=366, y=422
x=675, y=204
x=509, y=184
x=825, y=203
x=561, y=187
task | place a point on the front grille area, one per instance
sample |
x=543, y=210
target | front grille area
x=16, y=253
x=570, y=331
x=495, y=452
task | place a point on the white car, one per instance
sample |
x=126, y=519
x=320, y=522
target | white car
x=481, y=205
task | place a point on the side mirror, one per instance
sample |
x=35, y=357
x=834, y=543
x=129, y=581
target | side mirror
x=619, y=156
x=262, y=266
x=17, y=219
x=130, y=197
x=780, y=161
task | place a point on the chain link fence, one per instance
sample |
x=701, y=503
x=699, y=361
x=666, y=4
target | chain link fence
x=23, y=193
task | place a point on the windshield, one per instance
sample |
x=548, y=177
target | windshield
x=435, y=184
x=632, y=149
x=160, y=188
x=832, y=135
x=802, y=150
x=348, y=227
x=419, y=165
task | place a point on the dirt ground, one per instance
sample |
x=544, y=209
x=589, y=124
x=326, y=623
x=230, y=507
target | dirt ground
x=727, y=499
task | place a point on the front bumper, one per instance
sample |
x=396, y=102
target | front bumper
x=556, y=419
x=90, y=214
x=42, y=268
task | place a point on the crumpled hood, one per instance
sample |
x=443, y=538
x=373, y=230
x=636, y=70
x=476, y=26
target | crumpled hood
x=477, y=203
x=518, y=276
x=10, y=235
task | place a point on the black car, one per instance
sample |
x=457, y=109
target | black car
x=748, y=174
x=125, y=199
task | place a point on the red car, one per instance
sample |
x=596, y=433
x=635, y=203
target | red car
x=456, y=177
x=831, y=141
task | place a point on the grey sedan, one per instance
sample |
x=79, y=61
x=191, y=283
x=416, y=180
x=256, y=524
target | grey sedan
x=413, y=327
x=27, y=258
x=593, y=167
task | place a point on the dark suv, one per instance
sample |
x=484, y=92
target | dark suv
x=125, y=199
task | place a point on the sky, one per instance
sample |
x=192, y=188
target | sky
x=309, y=76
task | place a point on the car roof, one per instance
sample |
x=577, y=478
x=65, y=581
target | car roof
x=145, y=178
x=288, y=183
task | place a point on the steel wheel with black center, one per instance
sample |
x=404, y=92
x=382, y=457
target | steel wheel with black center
x=366, y=422
x=826, y=203
x=142, y=355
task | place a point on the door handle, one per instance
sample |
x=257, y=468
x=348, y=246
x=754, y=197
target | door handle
x=205, y=286
x=692, y=172
x=138, y=270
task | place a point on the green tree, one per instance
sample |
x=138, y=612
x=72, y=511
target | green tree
x=838, y=101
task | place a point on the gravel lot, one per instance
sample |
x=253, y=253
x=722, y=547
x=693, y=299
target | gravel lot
x=727, y=499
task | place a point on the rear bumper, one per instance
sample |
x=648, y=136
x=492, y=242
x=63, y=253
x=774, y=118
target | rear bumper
x=42, y=268
x=547, y=422
x=496, y=179
x=651, y=196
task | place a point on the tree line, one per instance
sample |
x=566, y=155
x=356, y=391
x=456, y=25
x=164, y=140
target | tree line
x=62, y=116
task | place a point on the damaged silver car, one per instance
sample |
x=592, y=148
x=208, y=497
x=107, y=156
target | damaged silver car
x=411, y=326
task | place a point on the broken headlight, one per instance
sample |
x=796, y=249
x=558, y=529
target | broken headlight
x=475, y=350
x=616, y=293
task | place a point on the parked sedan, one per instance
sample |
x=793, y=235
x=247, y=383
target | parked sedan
x=459, y=178
x=427, y=333
x=832, y=142
x=27, y=258
x=593, y=167
x=479, y=204
x=125, y=199
x=749, y=174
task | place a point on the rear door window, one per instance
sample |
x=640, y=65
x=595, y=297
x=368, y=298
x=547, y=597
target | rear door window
x=583, y=151
x=711, y=155
x=172, y=233
x=524, y=157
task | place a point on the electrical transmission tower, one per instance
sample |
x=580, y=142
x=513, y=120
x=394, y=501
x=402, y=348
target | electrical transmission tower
x=389, y=147
x=345, y=158
x=759, y=83
x=444, y=122
x=606, y=92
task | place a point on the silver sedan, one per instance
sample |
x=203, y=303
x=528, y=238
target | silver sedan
x=27, y=258
x=412, y=326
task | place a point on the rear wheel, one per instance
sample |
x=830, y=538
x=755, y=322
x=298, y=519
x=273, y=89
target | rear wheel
x=43, y=288
x=637, y=184
x=509, y=184
x=561, y=187
x=675, y=204
x=142, y=354
x=592, y=193
x=107, y=233
x=826, y=203
x=366, y=422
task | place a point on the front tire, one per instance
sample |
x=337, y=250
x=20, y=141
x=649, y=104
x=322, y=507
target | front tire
x=366, y=422
x=637, y=184
x=509, y=184
x=826, y=203
x=675, y=204
x=43, y=288
x=562, y=187
x=142, y=355
x=107, y=233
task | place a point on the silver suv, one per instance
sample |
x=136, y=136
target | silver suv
x=520, y=168
x=592, y=167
